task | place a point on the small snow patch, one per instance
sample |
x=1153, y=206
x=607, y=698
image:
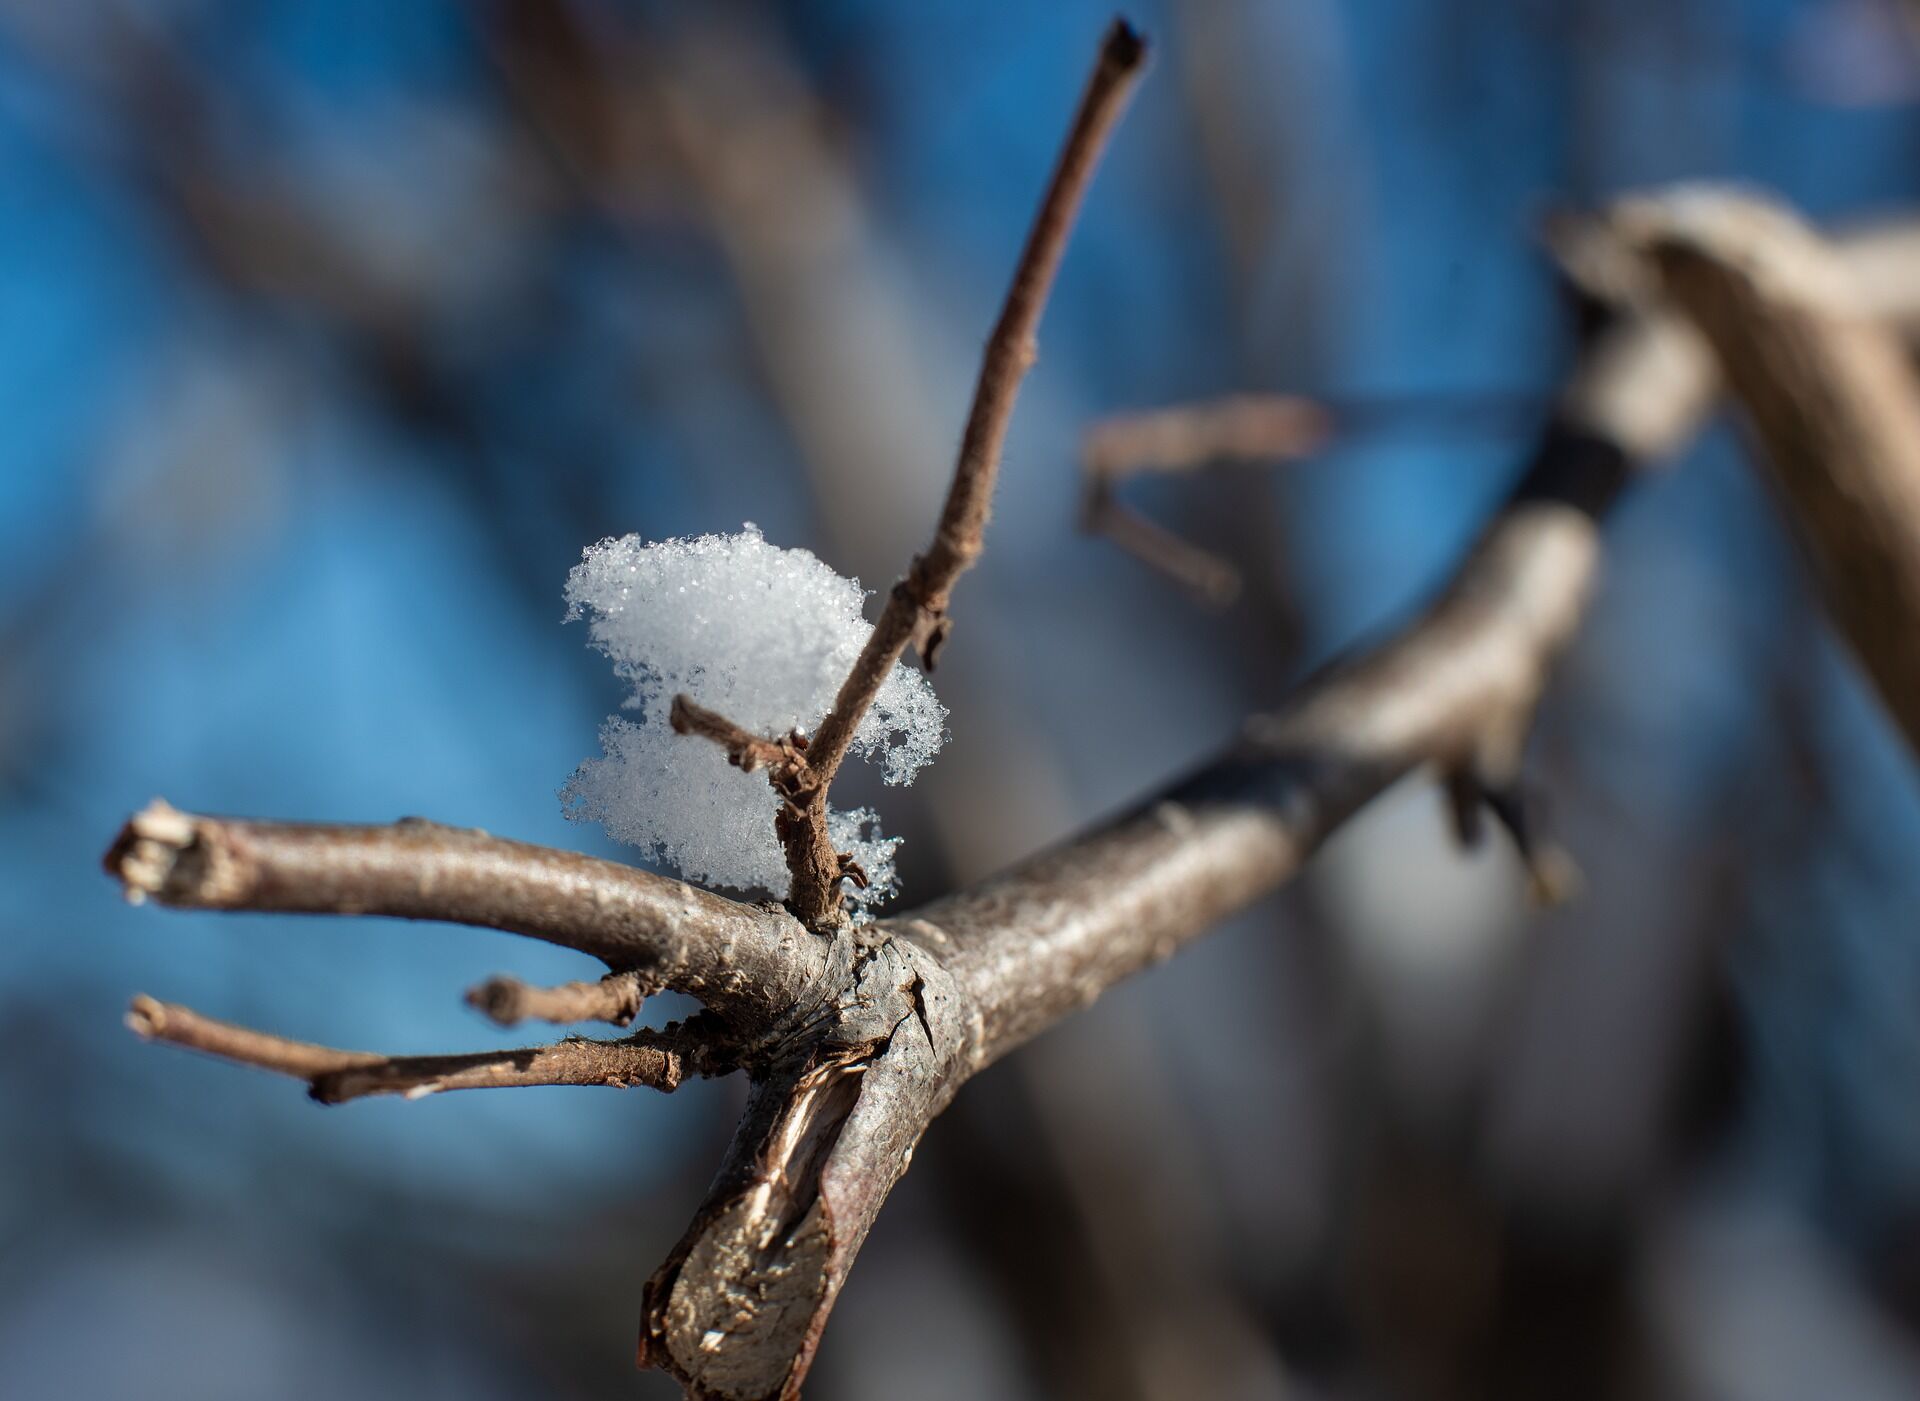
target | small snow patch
x=763, y=635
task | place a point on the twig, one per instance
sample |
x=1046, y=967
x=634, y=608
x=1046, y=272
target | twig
x=333, y=1077
x=1832, y=405
x=738, y=959
x=745, y=750
x=916, y=609
x=1247, y=428
x=1210, y=578
x=616, y=998
x=1254, y=428
x=860, y=1042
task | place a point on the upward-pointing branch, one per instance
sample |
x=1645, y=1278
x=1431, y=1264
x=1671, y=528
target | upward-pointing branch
x=916, y=609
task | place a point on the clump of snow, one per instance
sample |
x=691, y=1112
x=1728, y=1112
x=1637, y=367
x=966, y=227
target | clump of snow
x=763, y=635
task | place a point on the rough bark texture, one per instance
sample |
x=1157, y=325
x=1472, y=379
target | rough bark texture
x=1050, y=936
x=1830, y=402
x=333, y=1076
x=737, y=959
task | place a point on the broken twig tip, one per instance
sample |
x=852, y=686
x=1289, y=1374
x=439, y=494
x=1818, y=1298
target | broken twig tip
x=146, y=1017
x=1126, y=47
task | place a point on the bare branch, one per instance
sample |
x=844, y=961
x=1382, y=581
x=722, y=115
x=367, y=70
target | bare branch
x=1454, y=690
x=333, y=1077
x=1252, y=428
x=615, y=998
x=915, y=612
x=738, y=959
x=738, y=1307
x=1249, y=428
x=1829, y=398
x=1200, y=571
x=746, y=751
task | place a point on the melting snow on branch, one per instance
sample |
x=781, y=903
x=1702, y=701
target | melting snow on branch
x=764, y=636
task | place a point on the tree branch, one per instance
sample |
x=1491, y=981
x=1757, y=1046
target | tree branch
x=916, y=609
x=1829, y=400
x=507, y=1001
x=1050, y=936
x=334, y=1077
x=856, y=1040
x=737, y=959
x=1253, y=428
x=738, y=1308
x=746, y=751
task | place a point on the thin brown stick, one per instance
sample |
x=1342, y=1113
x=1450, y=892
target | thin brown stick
x=1206, y=575
x=1253, y=428
x=916, y=609
x=1244, y=428
x=738, y=959
x=335, y=1076
x=616, y=998
x=1833, y=407
x=746, y=750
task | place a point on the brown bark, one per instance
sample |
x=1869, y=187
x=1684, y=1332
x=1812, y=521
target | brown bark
x=507, y=1001
x=916, y=609
x=333, y=1077
x=737, y=959
x=865, y=1035
x=855, y=1039
x=738, y=1308
x=1829, y=401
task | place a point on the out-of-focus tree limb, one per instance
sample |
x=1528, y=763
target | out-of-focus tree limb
x=1249, y=428
x=1826, y=391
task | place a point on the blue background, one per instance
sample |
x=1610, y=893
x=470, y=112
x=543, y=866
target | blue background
x=331, y=332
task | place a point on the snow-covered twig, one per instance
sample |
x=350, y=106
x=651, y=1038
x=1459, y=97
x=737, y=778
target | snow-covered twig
x=856, y=1039
x=916, y=609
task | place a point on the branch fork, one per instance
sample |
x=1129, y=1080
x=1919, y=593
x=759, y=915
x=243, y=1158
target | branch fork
x=916, y=609
x=854, y=1039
